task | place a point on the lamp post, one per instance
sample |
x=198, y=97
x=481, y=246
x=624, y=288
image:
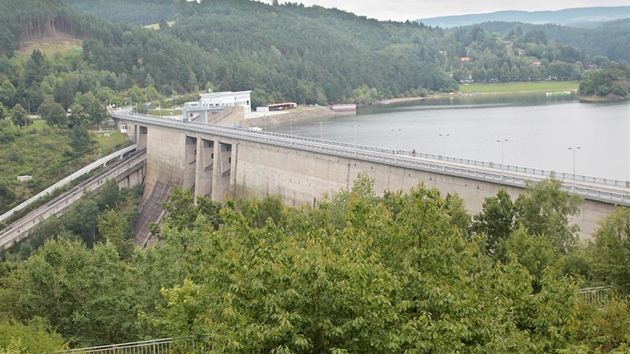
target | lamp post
x=395, y=141
x=291, y=123
x=321, y=133
x=444, y=149
x=574, y=149
x=355, y=134
x=502, y=141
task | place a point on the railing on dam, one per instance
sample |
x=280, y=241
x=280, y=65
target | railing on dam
x=601, y=189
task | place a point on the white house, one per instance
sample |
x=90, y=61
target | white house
x=227, y=99
x=214, y=103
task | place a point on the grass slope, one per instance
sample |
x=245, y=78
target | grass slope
x=50, y=46
x=512, y=87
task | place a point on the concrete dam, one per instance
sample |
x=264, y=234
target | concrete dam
x=215, y=161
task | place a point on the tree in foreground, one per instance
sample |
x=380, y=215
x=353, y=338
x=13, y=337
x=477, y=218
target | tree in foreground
x=545, y=209
x=497, y=219
x=361, y=273
x=353, y=276
x=611, y=250
x=34, y=337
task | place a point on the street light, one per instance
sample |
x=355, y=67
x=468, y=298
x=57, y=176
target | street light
x=395, y=141
x=355, y=134
x=574, y=149
x=444, y=148
x=291, y=123
x=321, y=134
x=502, y=141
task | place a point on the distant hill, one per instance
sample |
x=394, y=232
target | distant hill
x=575, y=17
x=611, y=39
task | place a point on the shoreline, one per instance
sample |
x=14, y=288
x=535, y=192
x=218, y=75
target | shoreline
x=600, y=99
x=310, y=113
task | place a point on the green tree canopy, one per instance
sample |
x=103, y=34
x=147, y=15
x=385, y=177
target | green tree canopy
x=611, y=249
x=34, y=337
x=53, y=113
x=496, y=220
x=354, y=276
x=19, y=116
x=545, y=209
x=80, y=139
x=613, y=80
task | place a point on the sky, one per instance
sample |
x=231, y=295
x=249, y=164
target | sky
x=402, y=10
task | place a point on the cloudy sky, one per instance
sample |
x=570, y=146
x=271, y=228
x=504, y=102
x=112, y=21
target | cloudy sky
x=401, y=10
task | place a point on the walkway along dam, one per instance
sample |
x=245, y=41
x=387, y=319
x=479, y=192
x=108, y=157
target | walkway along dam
x=215, y=160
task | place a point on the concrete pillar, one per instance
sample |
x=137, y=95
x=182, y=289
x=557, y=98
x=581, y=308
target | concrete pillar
x=190, y=163
x=222, y=170
x=141, y=137
x=204, y=168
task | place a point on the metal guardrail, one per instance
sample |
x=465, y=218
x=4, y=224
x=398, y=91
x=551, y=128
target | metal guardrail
x=601, y=189
x=155, y=346
x=599, y=294
x=87, y=169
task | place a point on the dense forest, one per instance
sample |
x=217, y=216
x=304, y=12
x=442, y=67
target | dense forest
x=360, y=273
x=271, y=50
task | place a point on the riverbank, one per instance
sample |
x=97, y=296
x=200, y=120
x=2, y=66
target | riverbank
x=498, y=88
x=300, y=114
x=317, y=113
x=600, y=99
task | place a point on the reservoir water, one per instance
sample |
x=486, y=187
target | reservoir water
x=533, y=130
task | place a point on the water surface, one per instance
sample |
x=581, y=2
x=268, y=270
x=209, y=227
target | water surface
x=539, y=131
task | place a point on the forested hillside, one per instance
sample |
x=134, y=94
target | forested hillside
x=611, y=39
x=312, y=54
x=139, y=12
x=281, y=52
x=316, y=55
